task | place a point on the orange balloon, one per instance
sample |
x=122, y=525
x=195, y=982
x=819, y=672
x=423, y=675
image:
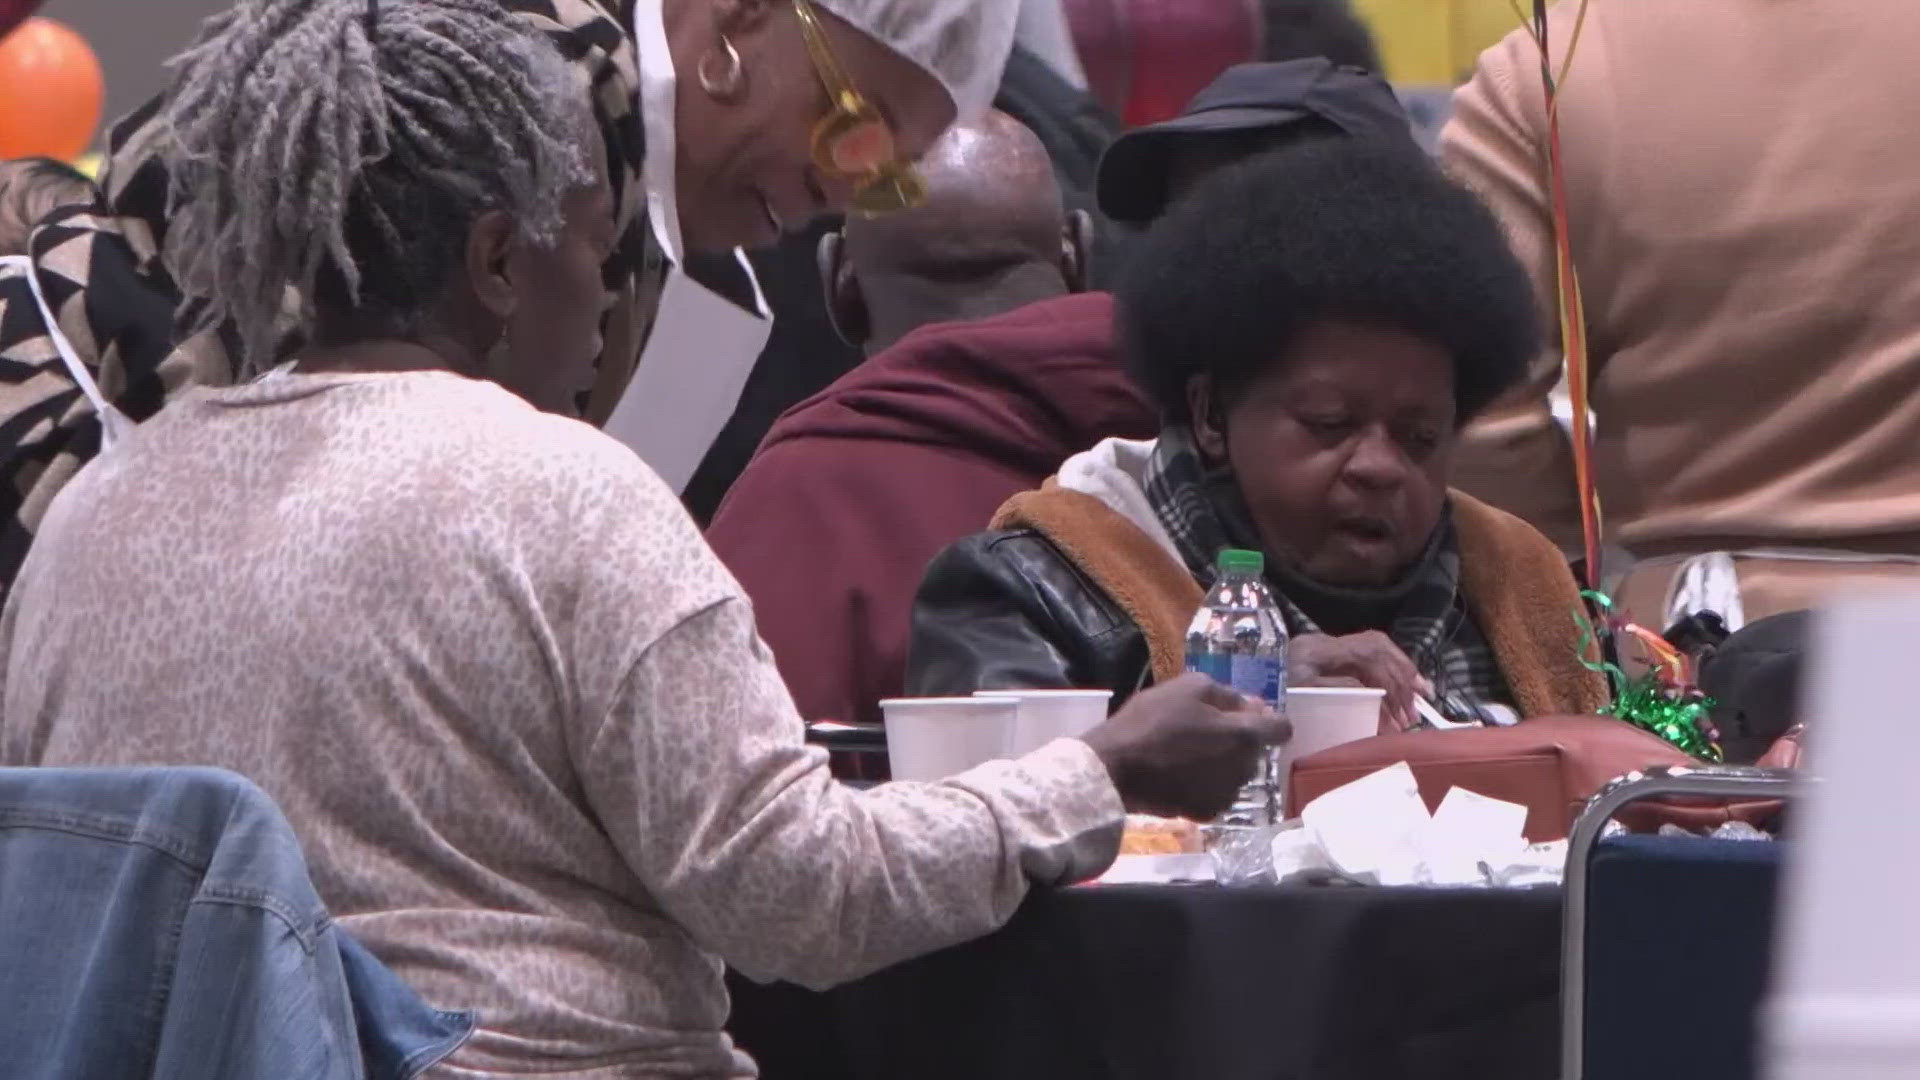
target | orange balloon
x=50, y=91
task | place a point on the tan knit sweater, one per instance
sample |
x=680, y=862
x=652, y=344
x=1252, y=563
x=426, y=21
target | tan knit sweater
x=515, y=709
x=1745, y=204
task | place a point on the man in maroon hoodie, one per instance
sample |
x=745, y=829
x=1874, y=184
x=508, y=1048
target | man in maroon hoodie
x=988, y=368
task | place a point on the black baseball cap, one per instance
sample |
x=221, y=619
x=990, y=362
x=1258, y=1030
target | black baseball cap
x=1247, y=98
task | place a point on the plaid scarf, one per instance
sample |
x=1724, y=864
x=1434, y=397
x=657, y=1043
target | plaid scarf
x=1203, y=512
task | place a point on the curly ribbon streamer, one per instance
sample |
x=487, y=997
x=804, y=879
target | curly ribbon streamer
x=1664, y=700
x=1669, y=663
x=1590, y=635
x=1572, y=311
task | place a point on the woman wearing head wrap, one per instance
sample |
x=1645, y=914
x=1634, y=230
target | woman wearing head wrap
x=724, y=121
x=514, y=707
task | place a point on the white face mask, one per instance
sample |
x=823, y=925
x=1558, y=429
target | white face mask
x=703, y=346
x=114, y=424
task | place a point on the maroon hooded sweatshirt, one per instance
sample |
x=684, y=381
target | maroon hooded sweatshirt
x=856, y=489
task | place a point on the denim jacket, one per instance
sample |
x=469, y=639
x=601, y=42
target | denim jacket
x=160, y=923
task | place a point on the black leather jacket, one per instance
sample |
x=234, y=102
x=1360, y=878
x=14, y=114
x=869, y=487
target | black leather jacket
x=1009, y=609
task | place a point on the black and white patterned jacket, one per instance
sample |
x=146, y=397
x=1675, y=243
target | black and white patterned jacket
x=99, y=270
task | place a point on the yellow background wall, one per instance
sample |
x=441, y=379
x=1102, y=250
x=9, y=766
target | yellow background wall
x=1435, y=42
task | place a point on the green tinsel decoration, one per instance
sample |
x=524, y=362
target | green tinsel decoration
x=1679, y=714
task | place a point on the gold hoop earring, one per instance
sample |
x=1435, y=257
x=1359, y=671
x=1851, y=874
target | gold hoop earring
x=724, y=85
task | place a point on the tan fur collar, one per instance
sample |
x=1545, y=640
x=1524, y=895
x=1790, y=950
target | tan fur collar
x=1515, y=582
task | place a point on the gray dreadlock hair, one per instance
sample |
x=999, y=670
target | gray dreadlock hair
x=331, y=156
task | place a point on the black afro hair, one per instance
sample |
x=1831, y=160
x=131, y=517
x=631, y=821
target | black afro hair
x=1331, y=230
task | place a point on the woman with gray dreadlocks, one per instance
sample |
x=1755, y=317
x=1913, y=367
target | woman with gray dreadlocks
x=513, y=706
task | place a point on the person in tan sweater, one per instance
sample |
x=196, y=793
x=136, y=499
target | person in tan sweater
x=1746, y=225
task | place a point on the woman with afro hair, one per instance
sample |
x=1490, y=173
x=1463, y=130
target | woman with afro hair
x=1316, y=325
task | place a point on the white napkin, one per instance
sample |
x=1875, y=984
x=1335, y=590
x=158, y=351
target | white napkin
x=1376, y=831
x=1470, y=831
x=1373, y=830
x=1158, y=869
x=1298, y=856
x=1541, y=864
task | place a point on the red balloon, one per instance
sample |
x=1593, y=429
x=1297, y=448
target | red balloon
x=1145, y=58
x=15, y=12
x=1179, y=46
x=50, y=92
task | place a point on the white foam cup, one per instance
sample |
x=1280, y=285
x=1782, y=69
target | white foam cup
x=934, y=738
x=1324, y=717
x=1046, y=715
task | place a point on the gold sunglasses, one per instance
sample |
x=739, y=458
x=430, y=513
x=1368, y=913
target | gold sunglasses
x=854, y=142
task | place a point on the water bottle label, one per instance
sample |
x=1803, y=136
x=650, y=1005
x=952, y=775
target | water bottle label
x=1215, y=666
x=1258, y=677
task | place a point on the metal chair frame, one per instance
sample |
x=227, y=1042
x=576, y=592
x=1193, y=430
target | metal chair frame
x=1733, y=782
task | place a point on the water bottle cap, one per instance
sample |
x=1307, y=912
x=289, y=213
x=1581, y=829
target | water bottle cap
x=1238, y=561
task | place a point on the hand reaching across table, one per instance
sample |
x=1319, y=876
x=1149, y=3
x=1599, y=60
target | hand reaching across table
x=1184, y=748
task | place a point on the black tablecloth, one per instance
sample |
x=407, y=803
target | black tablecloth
x=1140, y=982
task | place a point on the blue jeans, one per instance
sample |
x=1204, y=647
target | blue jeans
x=160, y=923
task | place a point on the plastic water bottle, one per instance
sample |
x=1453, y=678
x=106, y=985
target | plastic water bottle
x=1239, y=639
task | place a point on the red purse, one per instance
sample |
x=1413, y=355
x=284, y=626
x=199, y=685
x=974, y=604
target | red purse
x=1551, y=765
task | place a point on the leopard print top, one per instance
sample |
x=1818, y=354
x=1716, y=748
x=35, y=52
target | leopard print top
x=515, y=709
